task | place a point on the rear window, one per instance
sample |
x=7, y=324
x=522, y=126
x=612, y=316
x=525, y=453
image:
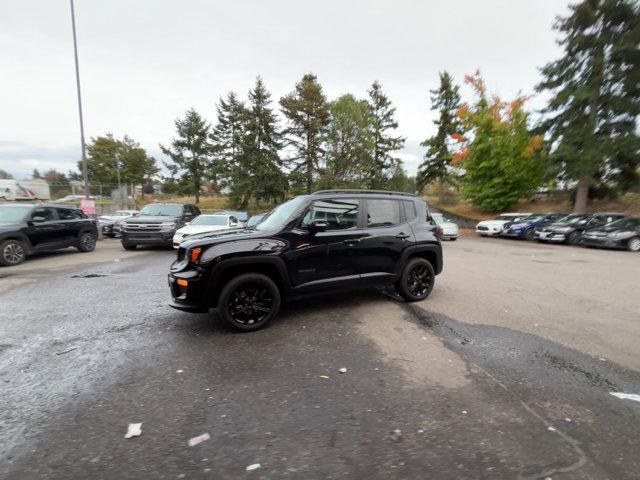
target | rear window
x=409, y=210
x=383, y=213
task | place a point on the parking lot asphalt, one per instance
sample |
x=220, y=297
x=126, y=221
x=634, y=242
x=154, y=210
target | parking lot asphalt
x=506, y=371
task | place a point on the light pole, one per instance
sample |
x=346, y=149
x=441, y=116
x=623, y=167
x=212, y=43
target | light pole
x=117, y=156
x=85, y=170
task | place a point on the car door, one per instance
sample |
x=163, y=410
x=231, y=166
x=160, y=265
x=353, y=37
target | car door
x=45, y=233
x=70, y=224
x=387, y=233
x=325, y=258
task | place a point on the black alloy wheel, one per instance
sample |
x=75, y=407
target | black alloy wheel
x=87, y=242
x=12, y=252
x=529, y=233
x=633, y=245
x=417, y=280
x=249, y=301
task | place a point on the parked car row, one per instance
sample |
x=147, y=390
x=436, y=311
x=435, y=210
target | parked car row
x=602, y=229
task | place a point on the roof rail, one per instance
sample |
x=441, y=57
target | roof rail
x=350, y=190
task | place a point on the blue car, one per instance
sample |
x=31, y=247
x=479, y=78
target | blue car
x=526, y=227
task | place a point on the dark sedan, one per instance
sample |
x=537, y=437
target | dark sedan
x=624, y=233
x=570, y=228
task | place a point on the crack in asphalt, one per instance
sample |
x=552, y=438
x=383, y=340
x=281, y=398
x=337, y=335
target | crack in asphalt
x=425, y=318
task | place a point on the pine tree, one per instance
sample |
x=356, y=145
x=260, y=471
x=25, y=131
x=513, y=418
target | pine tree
x=227, y=139
x=384, y=143
x=437, y=159
x=308, y=116
x=261, y=143
x=36, y=174
x=190, y=152
x=595, y=93
x=349, y=144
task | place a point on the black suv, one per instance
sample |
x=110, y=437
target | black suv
x=26, y=229
x=156, y=224
x=329, y=240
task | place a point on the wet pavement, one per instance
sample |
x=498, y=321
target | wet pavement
x=475, y=395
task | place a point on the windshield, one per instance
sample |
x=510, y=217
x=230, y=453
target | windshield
x=11, y=214
x=507, y=217
x=571, y=219
x=210, y=220
x=533, y=218
x=278, y=217
x=438, y=218
x=161, y=210
x=253, y=220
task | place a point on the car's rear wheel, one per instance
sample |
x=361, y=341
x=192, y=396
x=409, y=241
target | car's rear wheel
x=87, y=242
x=633, y=245
x=129, y=246
x=416, y=281
x=573, y=238
x=249, y=301
x=12, y=252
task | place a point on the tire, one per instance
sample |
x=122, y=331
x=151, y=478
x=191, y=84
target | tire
x=12, y=252
x=529, y=233
x=414, y=289
x=129, y=246
x=87, y=242
x=573, y=238
x=633, y=245
x=249, y=301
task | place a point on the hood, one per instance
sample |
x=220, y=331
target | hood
x=493, y=223
x=151, y=219
x=560, y=227
x=227, y=235
x=194, y=229
x=6, y=227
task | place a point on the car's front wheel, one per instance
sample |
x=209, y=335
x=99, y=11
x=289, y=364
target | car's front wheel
x=87, y=242
x=573, y=238
x=129, y=246
x=249, y=301
x=529, y=233
x=12, y=252
x=416, y=281
x=633, y=245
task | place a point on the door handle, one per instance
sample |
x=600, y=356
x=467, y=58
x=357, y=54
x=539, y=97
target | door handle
x=402, y=236
x=351, y=241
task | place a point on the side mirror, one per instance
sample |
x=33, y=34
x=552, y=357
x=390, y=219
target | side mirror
x=317, y=226
x=38, y=219
x=187, y=223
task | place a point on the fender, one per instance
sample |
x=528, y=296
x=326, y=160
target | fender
x=18, y=236
x=434, y=248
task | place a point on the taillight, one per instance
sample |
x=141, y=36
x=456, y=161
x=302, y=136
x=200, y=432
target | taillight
x=438, y=232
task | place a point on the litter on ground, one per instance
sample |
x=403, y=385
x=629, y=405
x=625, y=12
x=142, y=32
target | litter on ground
x=133, y=430
x=253, y=466
x=626, y=396
x=199, y=439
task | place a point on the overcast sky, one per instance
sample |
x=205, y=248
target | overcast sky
x=144, y=62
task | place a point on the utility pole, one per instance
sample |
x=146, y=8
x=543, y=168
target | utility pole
x=85, y=170
x=117, y=156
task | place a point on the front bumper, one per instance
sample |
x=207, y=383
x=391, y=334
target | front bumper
x=150, y=238
x=192, y=297
x=551, y=237
x=488, y=233
x=513, y=233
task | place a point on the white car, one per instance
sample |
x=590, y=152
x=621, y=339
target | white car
x=493, y=228
x=449, y=229
x=205, y=224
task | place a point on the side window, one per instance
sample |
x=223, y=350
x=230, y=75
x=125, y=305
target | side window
x=233, y=220
x=383, y=213
x=47, y=213
x=340, y=213
x=196, y=210
x=595, y=220
x=409, y=210
x=67, y=214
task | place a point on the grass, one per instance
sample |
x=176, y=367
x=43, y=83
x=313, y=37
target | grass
x=628, y=203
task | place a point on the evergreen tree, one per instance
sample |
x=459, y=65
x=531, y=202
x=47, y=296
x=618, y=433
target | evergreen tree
x=595, y=93
x=383, y=123
x=349, y=144
x=190, y=152
x=53, y=177
x=36, y=174
x=226, y=138
x=260, y=146
x=437, y=159
x=4, y=175
x=308, y=116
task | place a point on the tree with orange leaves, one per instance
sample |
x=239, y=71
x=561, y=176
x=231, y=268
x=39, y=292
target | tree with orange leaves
x=500, y=158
